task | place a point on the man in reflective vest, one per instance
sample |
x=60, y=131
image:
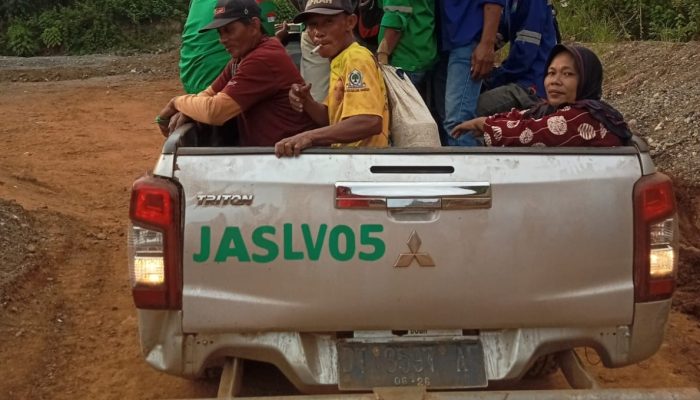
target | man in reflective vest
x=528, y=25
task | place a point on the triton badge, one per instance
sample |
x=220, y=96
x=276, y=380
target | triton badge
x=405, y=259
x=224, y=199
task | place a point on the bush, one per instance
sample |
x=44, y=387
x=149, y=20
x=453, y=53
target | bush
x=86, y=26
x=53, y=33
x=285, y=10
x=579, y=21
x=20, y=39
x=51, y=37
x=32, y=27
x=605, y=20
x=145, y=12
x=679, y=23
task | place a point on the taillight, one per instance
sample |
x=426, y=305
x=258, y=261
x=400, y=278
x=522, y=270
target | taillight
x=655, y=238
x=155, y=264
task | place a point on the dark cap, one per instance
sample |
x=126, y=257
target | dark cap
x=325, y=7
x=227, y=11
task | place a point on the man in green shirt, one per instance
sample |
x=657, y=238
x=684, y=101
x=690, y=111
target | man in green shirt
x=268, y=12
x=202, y=57
x=407, y=38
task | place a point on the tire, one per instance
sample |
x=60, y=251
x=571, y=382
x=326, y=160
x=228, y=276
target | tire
x=544, y=366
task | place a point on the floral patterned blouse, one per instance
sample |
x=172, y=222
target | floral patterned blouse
x=567, y=126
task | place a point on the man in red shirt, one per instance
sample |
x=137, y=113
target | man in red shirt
x=253, y=87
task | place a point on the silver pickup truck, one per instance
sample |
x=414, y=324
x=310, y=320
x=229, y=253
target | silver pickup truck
x=448, y=268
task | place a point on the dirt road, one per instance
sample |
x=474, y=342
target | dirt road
x=69, y=153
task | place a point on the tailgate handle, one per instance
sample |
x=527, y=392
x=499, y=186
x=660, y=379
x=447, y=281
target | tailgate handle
x=413, y=195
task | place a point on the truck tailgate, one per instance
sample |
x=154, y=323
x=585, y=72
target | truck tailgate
x=548, y=242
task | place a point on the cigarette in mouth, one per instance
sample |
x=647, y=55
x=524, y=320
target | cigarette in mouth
x=316, y=49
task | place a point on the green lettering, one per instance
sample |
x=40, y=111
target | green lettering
x=377, y=243
x=334, y=243
x=266, y=244
x=205, y=243
x=232, y=235
x=289, y=253
x=313, y=249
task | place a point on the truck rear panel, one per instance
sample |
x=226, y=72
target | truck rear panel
x=376, y=240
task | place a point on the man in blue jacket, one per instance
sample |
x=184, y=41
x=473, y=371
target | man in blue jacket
x=468, y=35
x=519, y=82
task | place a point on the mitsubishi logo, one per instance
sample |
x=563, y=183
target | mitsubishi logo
x=405, y=259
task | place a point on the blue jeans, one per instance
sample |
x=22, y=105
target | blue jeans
x=420, y=81
x=416, y=77
x=461, y=95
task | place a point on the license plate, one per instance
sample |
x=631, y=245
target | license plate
x=449, y=364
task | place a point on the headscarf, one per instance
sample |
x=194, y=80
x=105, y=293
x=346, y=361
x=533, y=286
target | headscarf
x=588, y=92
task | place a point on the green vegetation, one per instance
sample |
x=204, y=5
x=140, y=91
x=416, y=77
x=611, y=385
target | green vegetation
x=39, y=27
x=285, y=10
x=614, y=20
x=44, y=27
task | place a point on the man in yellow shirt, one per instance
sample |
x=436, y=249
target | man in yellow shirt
x=355, y=113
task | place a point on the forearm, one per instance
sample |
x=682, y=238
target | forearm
x=492, y=15
x=479, y=124
x=390, y=41
x=208, y=92
x=283, y=36
x=212, y=110
x=349, y=130
x=318, y=112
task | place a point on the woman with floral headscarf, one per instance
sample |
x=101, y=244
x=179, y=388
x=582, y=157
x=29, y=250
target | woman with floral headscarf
x=572, y=115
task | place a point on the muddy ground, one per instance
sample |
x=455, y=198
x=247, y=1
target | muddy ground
x=76, y=131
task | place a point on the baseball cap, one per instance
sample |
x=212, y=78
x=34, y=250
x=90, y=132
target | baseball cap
x=227, y=11
x=325, y=7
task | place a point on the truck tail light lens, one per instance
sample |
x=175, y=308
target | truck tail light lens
x=146, y=261
x=663, y=249
x=155, y=263
x=656, y=238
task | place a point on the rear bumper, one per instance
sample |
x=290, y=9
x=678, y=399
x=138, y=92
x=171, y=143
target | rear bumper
x=309, y=359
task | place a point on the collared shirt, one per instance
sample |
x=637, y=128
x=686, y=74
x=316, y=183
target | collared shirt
x=462, y=21
x=356, y=87
x=529, y=27
x=268, y=17
x=416, y=50
x=259, y=83
x=202, y=57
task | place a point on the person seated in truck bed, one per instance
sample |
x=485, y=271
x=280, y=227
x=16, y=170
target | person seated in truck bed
x=253, y=87
x=355, y=112
x=572, y=115
x=530, y=29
